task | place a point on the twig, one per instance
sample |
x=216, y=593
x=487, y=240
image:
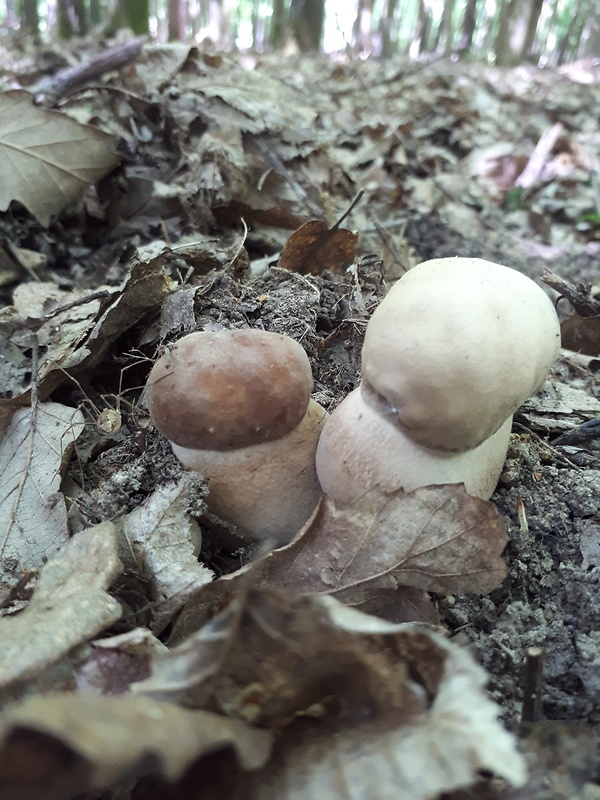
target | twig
x=532, y=685
x=539, y=157
x=52, y=87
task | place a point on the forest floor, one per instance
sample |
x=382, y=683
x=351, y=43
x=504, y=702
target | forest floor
x=221, y=159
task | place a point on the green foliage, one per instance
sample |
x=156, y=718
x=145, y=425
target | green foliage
x=513, y=199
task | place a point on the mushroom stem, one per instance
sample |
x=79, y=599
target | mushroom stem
x=277, y=487
x=383, y=455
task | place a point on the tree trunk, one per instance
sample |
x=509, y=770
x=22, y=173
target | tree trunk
x=307, y=18
x=445, y=29
x=502, y=51
x=96, y=14
x=421, y=37
x=468, y=28
x=81, y=17
x=177, y=22
x=29, y=17
x=64, y=21
x=362, y=39
x=387, y=27
x=530, y=31
x=590, y=35
x=136, y=14
x=277, y=32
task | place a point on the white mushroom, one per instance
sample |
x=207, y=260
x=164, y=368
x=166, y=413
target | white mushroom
x=449, y=355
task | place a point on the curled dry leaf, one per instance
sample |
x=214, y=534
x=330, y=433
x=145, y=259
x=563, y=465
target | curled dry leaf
x=112, y=664
x=60, y=746
x=314, y=247
x=69, y=606
x=345, y=689
x=159, y=544
x=47, y=158
x=33, y=515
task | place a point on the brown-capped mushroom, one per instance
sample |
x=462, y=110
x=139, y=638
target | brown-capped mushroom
x=236, y=407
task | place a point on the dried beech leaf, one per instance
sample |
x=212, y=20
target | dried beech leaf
x=346, y=689
x=36, y=304
x=437, y=538
x=33, y=515
x=115, y=662
x=47, y=158
x=401, y=604
x=314, y=248
x=159, y=543
x=60, y=746
x=69, y=606
x=143, y=290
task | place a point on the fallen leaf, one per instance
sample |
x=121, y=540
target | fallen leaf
x=69, y=606
x=36, y=306
x=60, y=746
x=47, y=158
x=159, y=544
x=437, y=538
x=314, y=248
x=33, y=515
x=345, y=689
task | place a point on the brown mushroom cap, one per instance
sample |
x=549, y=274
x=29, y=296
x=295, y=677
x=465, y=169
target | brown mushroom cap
x=229, y=389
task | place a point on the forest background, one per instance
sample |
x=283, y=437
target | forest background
x=499, y=32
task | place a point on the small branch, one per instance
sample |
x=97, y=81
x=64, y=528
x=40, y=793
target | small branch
x=52, y=87
x=579, y=296
x=532, y=685
x=539, y=158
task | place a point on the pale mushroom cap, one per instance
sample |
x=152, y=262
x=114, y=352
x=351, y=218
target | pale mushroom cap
x=360, y=449
x=456, y=346
x=270, y=489
x=229, y=389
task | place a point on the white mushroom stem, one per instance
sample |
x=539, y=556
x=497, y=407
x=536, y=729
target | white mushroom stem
x=269, y=489
x=359, y=448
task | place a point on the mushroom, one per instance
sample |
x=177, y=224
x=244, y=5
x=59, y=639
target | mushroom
x=236, y=407
x=449, y=355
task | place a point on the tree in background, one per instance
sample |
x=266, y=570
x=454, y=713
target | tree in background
x=177, y=20
x=468, y=28
x=388, y=28
x=29, y=16
x=504, y=32
x=306, y=20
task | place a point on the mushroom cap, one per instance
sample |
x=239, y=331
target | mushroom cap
x=229, y=389
x=268, y=490
x=454, y=349
x=360, y=449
